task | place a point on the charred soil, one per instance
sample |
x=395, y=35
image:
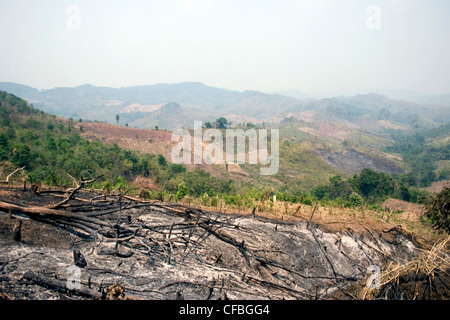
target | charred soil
x=91, y=245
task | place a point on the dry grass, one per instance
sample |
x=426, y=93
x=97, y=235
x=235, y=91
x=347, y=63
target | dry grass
x=336, y=219
x=409, y=211
x=424, y=277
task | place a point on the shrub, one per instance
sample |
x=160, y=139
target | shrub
x=145, y=194
x=306, y=200
x=182, y=191
x=438, y=210
x=204, y=199
x=107, y=186
x=355, y=199
x=214, y=201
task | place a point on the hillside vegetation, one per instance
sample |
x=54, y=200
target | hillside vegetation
x=50, y=148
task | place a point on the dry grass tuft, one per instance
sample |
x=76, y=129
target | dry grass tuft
x=425, y=277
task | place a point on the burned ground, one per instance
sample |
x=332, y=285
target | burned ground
x=153, y=250
x=353, y=161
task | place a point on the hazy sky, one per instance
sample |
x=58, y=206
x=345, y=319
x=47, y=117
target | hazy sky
x=329, y=46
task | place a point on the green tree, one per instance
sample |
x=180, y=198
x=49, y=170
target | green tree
x=21, y=155
x=321, y=192
x=375, y=184
x=4, y=142
x=51, y=144
x=117, y=118
x=339, y=188
x=50, y=126
x=182, y=191
x=176, y=168
x=221, y=123
x=161, y=160
x=404, y=193
x=355, y=199
x=208, y=125
x=4, y=147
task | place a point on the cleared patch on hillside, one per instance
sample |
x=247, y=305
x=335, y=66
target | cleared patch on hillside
x=353, y=161
x=154, y=142
x=438, y=186
x=405, y=210
x=329, y=130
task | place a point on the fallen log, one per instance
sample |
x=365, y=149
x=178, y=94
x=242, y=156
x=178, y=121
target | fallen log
x=60, y=285
x=80, y=185
x=6, y=206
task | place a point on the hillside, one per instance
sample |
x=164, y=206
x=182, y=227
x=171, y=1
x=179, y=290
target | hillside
x=370, y=112
x=374, y=112
x=347, y=133
x=102, y=104
x=104, y=198
x=310, y=155
x=52, y=151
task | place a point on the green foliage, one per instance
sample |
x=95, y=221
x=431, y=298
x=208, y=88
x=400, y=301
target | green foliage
x=221, y=123
x=145, y=194
x=294, y=197
x=369, y=187
x=49, y=148
x=421, y=154
x=355, y=199
x=176, y=168
x=161, y=160
x=200, y=182
x=214, y=201
x=182, y=191
x=50, y=126
x=438, y=210
x=339, y=188
x=374, y=184
x=204, y=199
x=21, y=155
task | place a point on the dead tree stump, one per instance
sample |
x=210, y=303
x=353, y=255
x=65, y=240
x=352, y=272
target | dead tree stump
x=17, y=231
x=78, y=259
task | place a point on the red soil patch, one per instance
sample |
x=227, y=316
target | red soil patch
x=411, y=211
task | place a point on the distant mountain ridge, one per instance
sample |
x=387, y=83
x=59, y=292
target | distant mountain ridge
x=102, y=103
x=197, y=101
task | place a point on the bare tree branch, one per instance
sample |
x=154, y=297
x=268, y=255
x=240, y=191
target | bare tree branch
x=12, y=173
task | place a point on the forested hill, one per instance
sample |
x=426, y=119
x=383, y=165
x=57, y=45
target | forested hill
x=50, y=148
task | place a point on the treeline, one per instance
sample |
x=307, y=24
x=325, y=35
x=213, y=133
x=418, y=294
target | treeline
x=422, y=156
x=370, y=187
